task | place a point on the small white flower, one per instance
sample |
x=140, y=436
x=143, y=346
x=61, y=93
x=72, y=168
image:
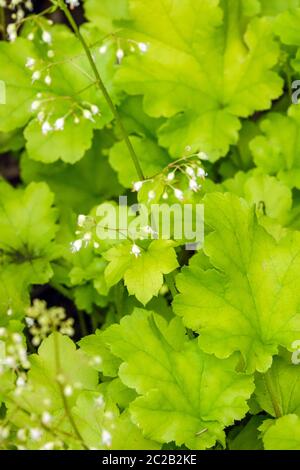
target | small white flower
x=47, y=38
x=30, y=36
x=120, y=54
x=171, y=176
x=35, y=105
x=76, y=120
x=88, y=115
x=81, y=220
x=202, y=156
x=99, y=401
x=76, y=246
x=46, y=128
x=12, y=32
x=46, y=418
x=17, y=338
x=87, y=237
x=106, y=438
x=96, y=245
x=194, y=185
x=30, y=62
x=95, y=109
x=20, y=382
x=47, y=402
x=2, y=331
x=178, y=194
x=36, y=75
x=51, y=54
x=165, y=195
x=4, y=432
x=21, y=435
x=73, y=3
x=59, y=124
x=35, y=434
x=29, y=321
x=10, y=362
x=48, y=80
x=68, y=391
x=190, y=171
x=41, y=116
x=151, y=195
x=135, y=250
x=137, y=186
x=97, y=360
x=9, y=312
x=48, y=446
x=201, y=173
x=143, y=47
x=103, y=49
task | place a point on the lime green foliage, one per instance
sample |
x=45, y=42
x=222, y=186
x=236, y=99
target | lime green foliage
x=67, y=96
x=284, y=434
x=283, y=380
x=277, y=151
x=115, y=335
x=249, y=301
x=200, y=88
x=185, y=395
x=143, y=276
x=25, y=252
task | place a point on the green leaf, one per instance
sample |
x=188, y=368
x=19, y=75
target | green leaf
x=11, y=141
x=248, y=436
x=186, y=396
x=143, y=275
x=287, y=27
x=279, y=392
x=28, y=227
x=271, y=197
x=93, y=420
x=80, y=186
x=275, y=7
x=57, y=357
x=194, y=72
x=249, y=301
x=104, y=361
x=153, y=159
x=105, y=14
x=277, y=151
x=71, y=91
x=283, y=434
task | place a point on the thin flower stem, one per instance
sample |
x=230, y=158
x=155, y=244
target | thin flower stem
x=63, y=396
x=102, y=88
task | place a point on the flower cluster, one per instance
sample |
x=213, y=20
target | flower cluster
x=19, y=8
x=86, y=225
x=126, y=46
x=42, y=321
x=14, y=354
x=190, y=167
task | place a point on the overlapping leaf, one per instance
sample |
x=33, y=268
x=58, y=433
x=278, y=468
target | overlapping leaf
x=143, y=275
x=277, y=151
x=199, y=71
x=185, y=395
x=249, y=301
x=70, y=92
x=28, y=227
